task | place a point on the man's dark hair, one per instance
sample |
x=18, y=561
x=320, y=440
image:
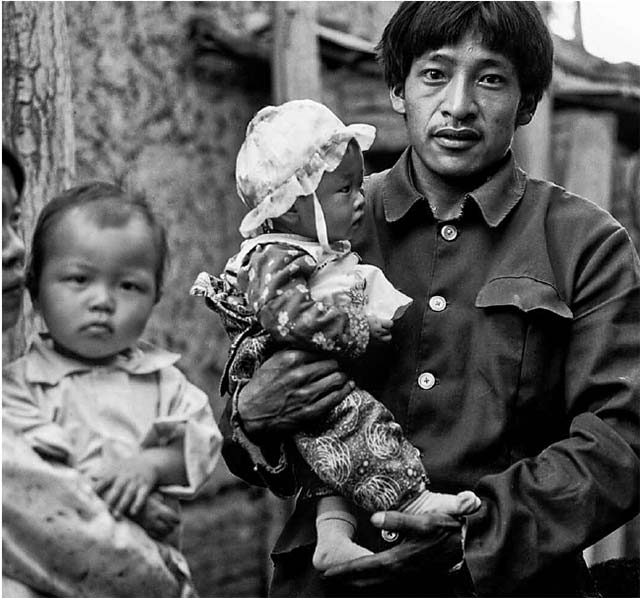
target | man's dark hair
x=514, y=29
x=17, y=172
x=109, y=205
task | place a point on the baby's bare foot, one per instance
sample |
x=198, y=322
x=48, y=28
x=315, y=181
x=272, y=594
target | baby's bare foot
x=337, y=550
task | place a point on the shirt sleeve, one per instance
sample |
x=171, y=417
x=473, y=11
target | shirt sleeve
x=185, y=413
x=276, y=282
x=24, y=413
x=579, y=489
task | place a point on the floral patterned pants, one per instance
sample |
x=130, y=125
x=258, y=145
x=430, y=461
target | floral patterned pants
x=360, y=452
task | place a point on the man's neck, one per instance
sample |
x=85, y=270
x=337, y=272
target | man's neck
x=446, y=196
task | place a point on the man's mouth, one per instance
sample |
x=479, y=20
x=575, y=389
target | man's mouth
x=456, y=138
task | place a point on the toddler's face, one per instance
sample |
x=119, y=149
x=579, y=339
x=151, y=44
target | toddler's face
x=340, y=196
x=97, y=287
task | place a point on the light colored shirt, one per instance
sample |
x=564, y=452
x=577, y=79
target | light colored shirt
x=87, y=414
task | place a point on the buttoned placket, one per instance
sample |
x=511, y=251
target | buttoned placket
x=437, y=303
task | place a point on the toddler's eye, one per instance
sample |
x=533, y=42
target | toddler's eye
x=130, y=286
x=76, y=278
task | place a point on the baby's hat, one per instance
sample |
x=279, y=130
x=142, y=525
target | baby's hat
x=286, y=151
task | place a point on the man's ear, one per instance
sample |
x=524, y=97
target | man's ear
x=396, y=94
x=526, y=110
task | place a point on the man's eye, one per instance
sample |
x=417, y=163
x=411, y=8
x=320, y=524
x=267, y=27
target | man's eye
x=492, y=79
x=433, y=74
x=15, y=219
x=345, y=189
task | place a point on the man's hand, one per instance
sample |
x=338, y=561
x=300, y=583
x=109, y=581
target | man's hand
x=432, y=545
x=290, y=391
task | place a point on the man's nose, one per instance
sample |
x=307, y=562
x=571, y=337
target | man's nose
x=459, y=100
x=12, y=250
x=101, y=298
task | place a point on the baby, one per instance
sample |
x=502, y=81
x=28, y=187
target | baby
x=88, y=392
x=295, y=282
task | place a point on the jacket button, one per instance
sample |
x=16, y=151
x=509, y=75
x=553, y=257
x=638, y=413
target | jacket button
x=426, y=380
x=437, y=303
x=449, y=232
x=388, y=536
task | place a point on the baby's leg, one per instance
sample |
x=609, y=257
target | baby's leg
x=463, y=503
x=335, y=526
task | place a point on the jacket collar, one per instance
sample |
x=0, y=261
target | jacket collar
x=46, y=366
x=496, y=197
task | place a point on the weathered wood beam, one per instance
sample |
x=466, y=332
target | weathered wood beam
x=296, y=55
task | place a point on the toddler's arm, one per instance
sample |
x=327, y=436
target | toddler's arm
x=276, y=281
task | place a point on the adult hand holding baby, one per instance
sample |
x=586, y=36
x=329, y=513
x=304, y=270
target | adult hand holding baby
x=432, y=543
x=291, y=390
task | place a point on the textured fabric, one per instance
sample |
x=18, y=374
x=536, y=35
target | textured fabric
x=306, y=299
x=84, y=415
x=535, y=357
x=59, y=538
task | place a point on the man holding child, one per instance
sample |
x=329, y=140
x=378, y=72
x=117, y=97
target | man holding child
x=515, y=370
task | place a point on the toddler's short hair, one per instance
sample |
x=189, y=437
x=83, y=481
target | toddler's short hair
x=109, y=205
x=514, y=29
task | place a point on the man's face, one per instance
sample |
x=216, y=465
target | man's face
x=462, y=104
x=12, y=252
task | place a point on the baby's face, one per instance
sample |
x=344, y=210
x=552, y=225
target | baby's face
x=340, y=196
x=98, y=286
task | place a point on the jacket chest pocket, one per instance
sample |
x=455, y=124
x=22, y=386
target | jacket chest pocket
x=525, y=325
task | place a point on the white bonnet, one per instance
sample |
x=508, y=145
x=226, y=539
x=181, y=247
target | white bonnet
x=286, y=151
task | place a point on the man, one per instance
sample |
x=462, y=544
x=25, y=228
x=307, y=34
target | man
x=515, y=371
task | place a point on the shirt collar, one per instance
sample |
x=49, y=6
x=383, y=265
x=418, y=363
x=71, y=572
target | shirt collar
x=496, y=197
x=47, y=366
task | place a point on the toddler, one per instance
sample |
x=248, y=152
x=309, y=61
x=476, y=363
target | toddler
x=295, y=282
x=88, y=392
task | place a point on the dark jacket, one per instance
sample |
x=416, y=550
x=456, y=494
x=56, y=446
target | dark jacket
x=533, y=340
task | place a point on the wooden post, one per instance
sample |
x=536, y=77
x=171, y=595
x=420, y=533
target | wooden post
x=592, y=151
x=37, y=114
x=296, y=56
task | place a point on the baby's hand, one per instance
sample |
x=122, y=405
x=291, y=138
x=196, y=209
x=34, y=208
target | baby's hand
x=126, y=484
x=157, y=518
x=380, y=329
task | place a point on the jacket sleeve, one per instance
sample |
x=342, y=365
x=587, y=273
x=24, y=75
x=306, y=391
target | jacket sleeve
x=584, y=486
x=267, y=466
x=185, y=414
x=26, y=416
x=276, y=282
